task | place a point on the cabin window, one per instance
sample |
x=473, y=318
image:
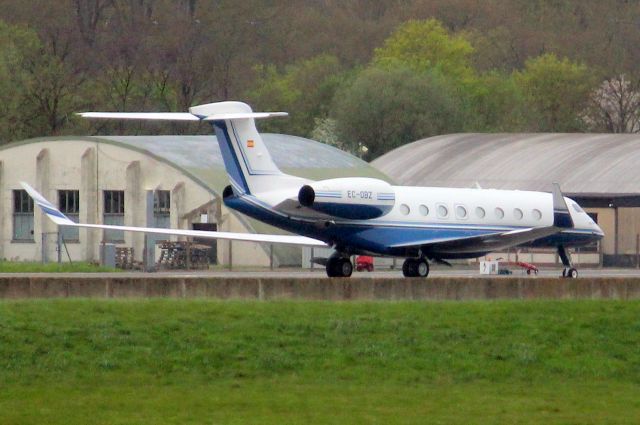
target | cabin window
x=517, y=213
x=404, y=209
x=499, y=213
x=69, y=204
x=443, y=211
x=537, y=215
x=480, y=212
x=424, y=210
x=461, y=212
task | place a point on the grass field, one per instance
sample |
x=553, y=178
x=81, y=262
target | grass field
x=33, y=267
x=176, y=361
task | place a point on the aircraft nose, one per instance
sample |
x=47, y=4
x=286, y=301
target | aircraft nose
x=598, y=231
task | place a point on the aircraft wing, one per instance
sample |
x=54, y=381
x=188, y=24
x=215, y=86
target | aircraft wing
x=60, y=219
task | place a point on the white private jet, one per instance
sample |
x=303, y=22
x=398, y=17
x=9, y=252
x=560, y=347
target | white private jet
x=366, y=215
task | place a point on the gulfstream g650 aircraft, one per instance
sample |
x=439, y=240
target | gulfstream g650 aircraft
x=366, y=215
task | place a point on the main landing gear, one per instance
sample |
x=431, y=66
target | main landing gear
x=569, y=271
x=415, y=267
x=339, y=266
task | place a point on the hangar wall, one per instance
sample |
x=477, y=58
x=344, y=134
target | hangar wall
x=91, y=168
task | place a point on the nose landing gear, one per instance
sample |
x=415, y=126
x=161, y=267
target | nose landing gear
x=415, y=267
x=569, y=271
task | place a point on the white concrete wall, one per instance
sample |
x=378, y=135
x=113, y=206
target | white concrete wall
x=92, y=167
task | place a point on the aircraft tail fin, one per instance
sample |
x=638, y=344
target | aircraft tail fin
x=246, y=158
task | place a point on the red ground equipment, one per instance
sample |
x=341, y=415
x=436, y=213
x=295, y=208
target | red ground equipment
x=364, y=262
x=530, y=268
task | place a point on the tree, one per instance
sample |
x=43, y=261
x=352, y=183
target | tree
x=427, y=46
x=387, y=107
x=615, y=106
x=494, y=103
x=15, y=44
x=304, y=89
x=555, y=90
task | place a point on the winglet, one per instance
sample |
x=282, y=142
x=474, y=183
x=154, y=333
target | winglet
x=49, y=209
x=561, y=215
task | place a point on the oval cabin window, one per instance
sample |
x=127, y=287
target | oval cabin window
x=424, y=210
x=404, y=209
x=443, y=212
x=517, y=213
x=461, y=212
x=480, y=212
x=499, y=213
x=537, y=215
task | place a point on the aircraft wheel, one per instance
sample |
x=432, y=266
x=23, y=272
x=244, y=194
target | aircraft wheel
x=422, y=268
x=339, y=267
x=572, y=273
x=415, y=267
x=345, y=267
x=331, y=267
x=409, y=268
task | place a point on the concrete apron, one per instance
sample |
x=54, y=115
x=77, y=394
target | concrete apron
x=321, y=289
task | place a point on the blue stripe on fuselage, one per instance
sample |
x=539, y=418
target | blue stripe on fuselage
x=231, y=162
x=377, y=238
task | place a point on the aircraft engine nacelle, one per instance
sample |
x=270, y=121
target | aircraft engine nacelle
x=354, y=198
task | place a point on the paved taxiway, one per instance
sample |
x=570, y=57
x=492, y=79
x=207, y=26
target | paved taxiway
x=438, y=271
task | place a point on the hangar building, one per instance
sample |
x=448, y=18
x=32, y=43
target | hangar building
x=106, y=180
x=600, y=171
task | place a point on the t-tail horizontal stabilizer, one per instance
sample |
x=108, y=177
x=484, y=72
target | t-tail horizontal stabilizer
x=561, y=215
x=60, y=219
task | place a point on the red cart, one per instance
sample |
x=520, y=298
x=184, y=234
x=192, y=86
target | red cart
x=364, y=262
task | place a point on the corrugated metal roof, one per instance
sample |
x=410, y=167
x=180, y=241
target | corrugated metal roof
x=200, y=156
x=581, y=163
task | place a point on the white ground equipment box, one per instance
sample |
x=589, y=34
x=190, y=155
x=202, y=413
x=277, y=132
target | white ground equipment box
x=489, y=267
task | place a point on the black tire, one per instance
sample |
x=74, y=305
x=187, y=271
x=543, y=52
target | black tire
x=422, y=268
x=415, y=267
x=572, y=273
x=339, y=267
x=345, y=268
x=409, y=268
x=331, y=267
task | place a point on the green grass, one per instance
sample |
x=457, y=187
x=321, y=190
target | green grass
x=176, y=361
x=33, y=267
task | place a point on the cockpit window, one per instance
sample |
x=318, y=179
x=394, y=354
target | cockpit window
x=577, y=208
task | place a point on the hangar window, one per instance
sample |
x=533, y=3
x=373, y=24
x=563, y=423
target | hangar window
x=424, y=210
x=517, y=213
x=499, y=213
x=480, y=212
x=69, y=204
x=113, y=214
x=22, y=216
x=404, y=209
x=162, y=208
